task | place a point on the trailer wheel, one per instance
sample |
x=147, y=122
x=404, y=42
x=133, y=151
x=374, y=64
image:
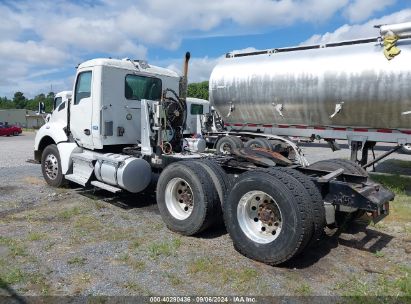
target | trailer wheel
x=226, y=144
x=186, y=198
x=267, y=216
x=406, y=149
x=51, y=166
x=317, y=203
x=259, y=143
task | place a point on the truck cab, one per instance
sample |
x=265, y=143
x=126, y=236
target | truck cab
x=104, y=107
x=60, y=104
x=106, y=103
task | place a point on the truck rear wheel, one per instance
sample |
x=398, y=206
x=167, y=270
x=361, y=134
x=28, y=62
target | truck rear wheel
x=317, y=203
x=267, y=216
x=259, y=143
x=186, y=198
x=226, y=144
x=51, y=166
x=221, y=180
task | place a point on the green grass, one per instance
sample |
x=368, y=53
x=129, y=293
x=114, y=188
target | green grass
x=16, y=248
x=35, y=236
x=397, y=184
x=400, y=163
x=132, y=262
x=39, y=283
x=240, y=279
x=77, y=261
x=87, y=224
x=11, y=276
x=133, y=286
x=379, y=254
x=400, y=208
x=135, y=244
x=173, y=279
x=69, y=213
x=200, y=265
x=99, y=205
x=304, y=289
x=164, y=248
x=397, y=282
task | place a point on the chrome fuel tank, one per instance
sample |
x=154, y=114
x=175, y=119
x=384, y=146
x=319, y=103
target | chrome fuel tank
x=308, y=85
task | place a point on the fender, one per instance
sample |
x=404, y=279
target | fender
x=65, y=151
x=54, y=130
x=50, y=133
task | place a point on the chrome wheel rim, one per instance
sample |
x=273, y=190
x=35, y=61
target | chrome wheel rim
x=225, y=148
x=259, y=217
x=179, y=198
x=51, y=166
x=407, y=147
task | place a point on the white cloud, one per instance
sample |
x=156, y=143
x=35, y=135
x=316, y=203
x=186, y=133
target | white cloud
x=365, y=30
x=360, y=10
x=199, y=68
x=31, y=52
x=48, y=34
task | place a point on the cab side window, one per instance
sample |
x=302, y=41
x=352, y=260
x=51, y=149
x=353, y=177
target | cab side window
x=57, y=102
x=83, y=87
x=141, y=87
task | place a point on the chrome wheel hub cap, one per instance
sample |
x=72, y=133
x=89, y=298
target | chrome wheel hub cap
x=259, y=217
x=51, y=166
x=179, y=198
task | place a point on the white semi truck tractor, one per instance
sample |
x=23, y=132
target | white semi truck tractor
x=356, y=90
x=128, y=120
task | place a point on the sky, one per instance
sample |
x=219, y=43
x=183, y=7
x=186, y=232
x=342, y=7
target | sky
x=41, y=42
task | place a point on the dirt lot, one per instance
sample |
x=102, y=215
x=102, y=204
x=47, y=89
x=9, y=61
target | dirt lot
x=72, y=241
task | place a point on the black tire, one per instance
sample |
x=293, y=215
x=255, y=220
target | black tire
x=406, y=149
x=349, y=167
x=16, y=133
x=49, y=159
x=259, y=143
x=227, y=143
x=221, y=180
x=205, y=210
x=317, y=203
x=293, y=204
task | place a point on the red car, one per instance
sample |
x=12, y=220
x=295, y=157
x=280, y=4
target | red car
x=10, y=130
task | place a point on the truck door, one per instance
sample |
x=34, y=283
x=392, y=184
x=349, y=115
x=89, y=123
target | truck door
x=81, y=111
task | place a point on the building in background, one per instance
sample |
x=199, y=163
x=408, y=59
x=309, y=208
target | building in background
x=22, y=118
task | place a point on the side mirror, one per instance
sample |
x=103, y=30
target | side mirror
x=42, y=108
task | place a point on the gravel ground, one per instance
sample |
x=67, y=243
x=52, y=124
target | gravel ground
x=73, y=241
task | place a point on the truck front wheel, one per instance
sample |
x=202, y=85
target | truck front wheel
x=51, y=166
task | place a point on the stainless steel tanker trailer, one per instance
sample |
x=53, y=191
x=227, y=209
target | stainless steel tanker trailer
x=357, y=90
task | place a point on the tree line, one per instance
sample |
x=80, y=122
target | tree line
x=19, y=101
x=198, y=90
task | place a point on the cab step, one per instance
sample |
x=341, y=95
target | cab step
x=83, y=167
x=106, y=187
x=78, y=179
